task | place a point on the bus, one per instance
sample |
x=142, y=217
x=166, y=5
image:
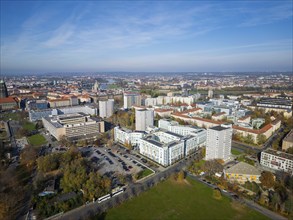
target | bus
x=103, y=198
x=118, y=192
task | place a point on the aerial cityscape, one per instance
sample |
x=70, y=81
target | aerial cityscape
x=146, y=110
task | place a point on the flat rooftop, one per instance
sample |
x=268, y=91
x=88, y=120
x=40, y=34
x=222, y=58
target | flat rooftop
x=279, y=154
x=174, y=134
x=218, y=128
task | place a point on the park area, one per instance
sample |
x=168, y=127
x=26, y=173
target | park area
x=180, y=200
x=37, y=140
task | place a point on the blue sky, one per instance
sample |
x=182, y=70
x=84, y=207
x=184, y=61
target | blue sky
x=80, y=36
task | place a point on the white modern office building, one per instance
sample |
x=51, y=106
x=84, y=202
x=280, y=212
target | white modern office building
x=106, y=108
x=73, y=126
x=161, y=144
x=164, y=148
x=131, y=99
x=165, y=123
x=143, y=119
x=277, y=160
x=219, y=140
x=35, y=115
x=199, y=134
x=126, y=136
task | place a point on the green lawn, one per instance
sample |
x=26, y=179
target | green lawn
x=29, y=126
x=8, y=115
x=113, y=86
x=246, y=160
x=172, y=200
x=144, y=173
x=235, y=152
x=37, y=140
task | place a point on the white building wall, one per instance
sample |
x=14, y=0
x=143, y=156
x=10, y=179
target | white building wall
x=143, y=119
x=276, y=162
x=106, y=108
x=218, y=143
x=130, y=100
x=128, y=136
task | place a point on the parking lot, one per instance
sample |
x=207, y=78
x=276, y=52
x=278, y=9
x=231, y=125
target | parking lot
x=114, y=161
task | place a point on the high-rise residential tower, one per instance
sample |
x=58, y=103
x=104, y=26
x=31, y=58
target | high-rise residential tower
x=219, y=140
x=131, y=99
x=143, y=119
x=3, y=89
x=106, y=108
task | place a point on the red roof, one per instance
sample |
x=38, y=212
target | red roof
x=8, y=100
x=58, y=100
x=197, y=118
x=243, y=118
x=260, y=131
x=191, y=110
x=163, y=110
x=178, y=104
x=219, y=114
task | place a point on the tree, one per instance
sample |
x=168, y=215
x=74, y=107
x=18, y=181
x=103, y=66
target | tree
x=203, y=152
x=48, y=163
x=267, y=179
x=180, y=176
x=64, y=141
x=217, y=194
x=110, y=143
x=28, y=157
x=281, y=190
x=74, y=176
x=261, y=139
x=22, y=132
x=290, y=150
x=249, y=139
x=92, y=188
x=212, y=166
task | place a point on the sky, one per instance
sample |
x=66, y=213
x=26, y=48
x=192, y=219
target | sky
x=148, y=36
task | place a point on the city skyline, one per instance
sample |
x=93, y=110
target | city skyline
x=145, y=36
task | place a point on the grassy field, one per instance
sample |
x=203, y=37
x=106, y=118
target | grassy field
x=235, y=152
x=144, y=173
x=37, y=140
x=185, y=200
x=29, y=126
x=8, y=115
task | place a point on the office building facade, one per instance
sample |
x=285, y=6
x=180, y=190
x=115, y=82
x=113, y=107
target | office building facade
x=75, y=127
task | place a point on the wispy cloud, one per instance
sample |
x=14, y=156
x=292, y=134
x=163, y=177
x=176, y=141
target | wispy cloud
x=267, y=14
x=162, y=33
x=61, y=35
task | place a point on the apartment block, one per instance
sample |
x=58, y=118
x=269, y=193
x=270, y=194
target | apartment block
x=277, y=160
x=106, y=108
x=126, y=136
x=143, y=119
x=131, y=99
x=219, y=140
